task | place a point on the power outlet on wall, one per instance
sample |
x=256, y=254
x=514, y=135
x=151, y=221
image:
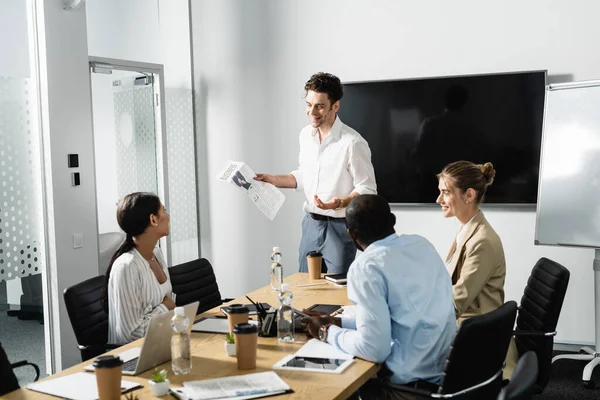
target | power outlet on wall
x=77, y=240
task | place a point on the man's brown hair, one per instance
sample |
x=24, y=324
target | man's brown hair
x=323, y=82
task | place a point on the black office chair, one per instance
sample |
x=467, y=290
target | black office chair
x=523, y=379
x=195, y=280
x=8, y=380
x=538, y=315
x=88, y=317
x=474, y=366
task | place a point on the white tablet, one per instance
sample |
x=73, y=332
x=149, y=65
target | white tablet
x=313, y=364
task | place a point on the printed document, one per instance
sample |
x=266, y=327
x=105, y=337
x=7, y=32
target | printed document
x=267, y=197
x=234, y=387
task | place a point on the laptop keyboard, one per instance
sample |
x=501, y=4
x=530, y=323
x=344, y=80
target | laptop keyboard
x=130, y=365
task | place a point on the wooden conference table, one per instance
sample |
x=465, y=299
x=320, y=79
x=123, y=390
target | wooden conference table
x=210, y=360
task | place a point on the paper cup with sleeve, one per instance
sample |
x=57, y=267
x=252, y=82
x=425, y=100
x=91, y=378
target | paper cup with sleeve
x=314, y=260
x=236, y=314
x=246, y=343
x=108, y=377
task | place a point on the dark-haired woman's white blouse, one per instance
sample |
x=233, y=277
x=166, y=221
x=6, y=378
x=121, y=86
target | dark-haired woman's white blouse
x=134, y=296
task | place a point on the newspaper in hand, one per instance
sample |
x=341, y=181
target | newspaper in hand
x=267, y=197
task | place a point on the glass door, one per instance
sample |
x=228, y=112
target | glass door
x=127, y=143
x=24, y=313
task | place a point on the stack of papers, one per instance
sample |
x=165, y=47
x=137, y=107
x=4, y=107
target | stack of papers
x=78, y=386
x=249, y=386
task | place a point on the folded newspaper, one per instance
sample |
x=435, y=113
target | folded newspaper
x=267, y=197
x=251, y=386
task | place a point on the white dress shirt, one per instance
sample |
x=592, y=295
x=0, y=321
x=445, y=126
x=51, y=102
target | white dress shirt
x=335, y=168
x=404, y=310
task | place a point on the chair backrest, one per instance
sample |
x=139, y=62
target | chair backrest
x=8, y=380
x=87, y=314
x=195, y=280
x=539, y=311
x=478, y=352
x=522, y=380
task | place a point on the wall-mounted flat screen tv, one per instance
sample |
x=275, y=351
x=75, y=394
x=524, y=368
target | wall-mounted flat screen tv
x=415, y=127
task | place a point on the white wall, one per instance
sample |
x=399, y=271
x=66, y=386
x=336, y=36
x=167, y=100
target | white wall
x=67, y=128
x=234, y=116
x=249, y=71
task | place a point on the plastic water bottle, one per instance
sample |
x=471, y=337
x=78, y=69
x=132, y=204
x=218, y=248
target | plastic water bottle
x=181, y=355
x=285, y=315
x=276, y=269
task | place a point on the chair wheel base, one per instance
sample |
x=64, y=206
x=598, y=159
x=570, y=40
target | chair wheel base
x=588, y=384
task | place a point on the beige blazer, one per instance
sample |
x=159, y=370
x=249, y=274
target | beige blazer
x=478, y=270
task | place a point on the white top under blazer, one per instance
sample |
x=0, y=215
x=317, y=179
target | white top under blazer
x=134, y=296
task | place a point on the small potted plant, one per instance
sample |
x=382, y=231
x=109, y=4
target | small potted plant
x=230, y=344
x=159, y=384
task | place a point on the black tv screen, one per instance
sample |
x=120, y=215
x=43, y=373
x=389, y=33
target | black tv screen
x=415, y=127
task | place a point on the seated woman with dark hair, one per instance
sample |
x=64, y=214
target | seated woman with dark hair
x=137, y=279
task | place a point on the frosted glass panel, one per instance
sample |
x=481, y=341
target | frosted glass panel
x=21, y=225
x=135, y=138
x=182, y=177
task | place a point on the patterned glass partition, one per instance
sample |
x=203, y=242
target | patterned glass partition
x=21, y=224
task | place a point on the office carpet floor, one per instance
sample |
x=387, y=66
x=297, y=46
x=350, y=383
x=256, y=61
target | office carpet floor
x=565, y=382
x=24, y=340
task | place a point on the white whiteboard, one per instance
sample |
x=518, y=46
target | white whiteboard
x=568, y=205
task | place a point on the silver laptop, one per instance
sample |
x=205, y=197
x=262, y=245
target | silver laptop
x=156, y=348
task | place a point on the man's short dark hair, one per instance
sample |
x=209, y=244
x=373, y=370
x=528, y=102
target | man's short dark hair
x=323, y=82
x=370, y=218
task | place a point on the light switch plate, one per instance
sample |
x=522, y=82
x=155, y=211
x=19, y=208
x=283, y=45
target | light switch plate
x=77, y=240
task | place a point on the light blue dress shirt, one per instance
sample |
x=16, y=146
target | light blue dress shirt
x=404, y=314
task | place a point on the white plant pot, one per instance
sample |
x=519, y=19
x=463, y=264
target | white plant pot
x=159, y=388
x=230, y=349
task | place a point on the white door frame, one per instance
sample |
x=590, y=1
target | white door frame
x=160, y=123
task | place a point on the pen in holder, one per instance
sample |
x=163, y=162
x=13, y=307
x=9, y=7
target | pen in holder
x=267, y=324
x=267, y=320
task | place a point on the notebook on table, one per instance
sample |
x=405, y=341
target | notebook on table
x=77, y=386
x=251, y=308
x=337, y=278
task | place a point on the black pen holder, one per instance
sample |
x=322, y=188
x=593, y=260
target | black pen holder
x=267, y=324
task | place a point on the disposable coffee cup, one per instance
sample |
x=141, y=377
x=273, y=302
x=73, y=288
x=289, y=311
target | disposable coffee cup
x=246, y=341
x=108, y=377
x=236, y=314
x=314, y=260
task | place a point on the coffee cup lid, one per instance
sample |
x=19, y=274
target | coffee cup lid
x=314, y=253
x=245, y=328
x=107, y=362
x=237, y=309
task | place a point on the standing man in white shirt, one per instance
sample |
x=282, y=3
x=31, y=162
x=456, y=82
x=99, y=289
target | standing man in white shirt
x=334, y=167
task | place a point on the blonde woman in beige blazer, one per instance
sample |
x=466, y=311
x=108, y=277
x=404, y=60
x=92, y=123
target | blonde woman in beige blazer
x=476, y=260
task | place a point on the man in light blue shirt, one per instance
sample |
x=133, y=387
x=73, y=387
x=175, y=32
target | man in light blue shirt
x=403, y=293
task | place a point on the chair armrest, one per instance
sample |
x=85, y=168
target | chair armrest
x=497, y=375
x=25, y=363
x=227, y=300
x=534, y=333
